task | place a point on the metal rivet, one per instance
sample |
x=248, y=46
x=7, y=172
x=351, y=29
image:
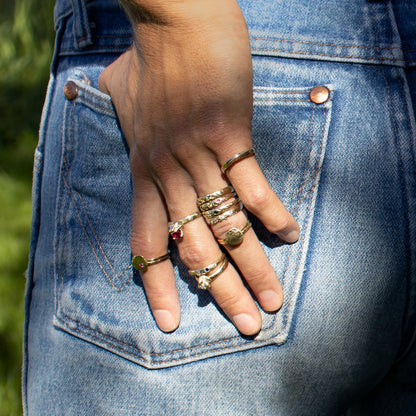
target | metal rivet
x=70, y=90
x=319, y=95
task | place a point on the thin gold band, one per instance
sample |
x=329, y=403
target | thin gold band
x=205, y=270
x=236, y=158
x=141, y=264
x=204, y=282
x=175, y=228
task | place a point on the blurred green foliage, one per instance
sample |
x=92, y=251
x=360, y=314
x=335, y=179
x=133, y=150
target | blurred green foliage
x=26, y=42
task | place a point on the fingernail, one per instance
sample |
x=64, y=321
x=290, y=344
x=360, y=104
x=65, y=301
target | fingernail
x=246, y=324
x=270, y=300
x=165, y=320
x=290, y=236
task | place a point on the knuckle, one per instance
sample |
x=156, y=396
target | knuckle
x=160, y=160
x=157, y=291
x=282, y=223
x=259, y=198
x=256, y=276
x=229, y=302
x=193, y=255
x=219, y=230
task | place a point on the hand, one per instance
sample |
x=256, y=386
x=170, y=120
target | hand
x=183, y=96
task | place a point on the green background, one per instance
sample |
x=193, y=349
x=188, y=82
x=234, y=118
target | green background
x=26, y=46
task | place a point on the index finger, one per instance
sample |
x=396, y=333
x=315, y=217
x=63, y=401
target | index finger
x=257, y=196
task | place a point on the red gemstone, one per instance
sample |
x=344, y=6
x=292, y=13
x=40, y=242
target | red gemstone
x=177, y=234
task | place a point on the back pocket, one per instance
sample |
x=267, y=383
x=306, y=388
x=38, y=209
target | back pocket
x=100, y=300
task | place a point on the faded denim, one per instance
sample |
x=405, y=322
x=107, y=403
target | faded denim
x=344, y=341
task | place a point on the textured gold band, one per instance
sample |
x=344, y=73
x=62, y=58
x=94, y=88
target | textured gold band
x=209, y=197
x=216, y=202
x=225, y=215
x=235, y=236
x=221, y=209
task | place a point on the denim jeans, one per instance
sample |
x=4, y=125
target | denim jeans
x=344, y=340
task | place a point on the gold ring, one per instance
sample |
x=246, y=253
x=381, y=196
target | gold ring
x=141, y=264
x=204, y=282
x=201, y=272
x=221, y=209
x=216, y=202
x=203, y=275
x=236, y=158
x=175, y=228
x=209, y=197
x=235, y=236
x=225, y=215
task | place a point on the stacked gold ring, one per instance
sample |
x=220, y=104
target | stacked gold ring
x=209, y=197
x=215, y=212
x=219, y=205
x=216, y=202
x=225, y=215
x=206, y=275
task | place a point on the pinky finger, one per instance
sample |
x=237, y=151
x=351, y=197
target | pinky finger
x=149, y=240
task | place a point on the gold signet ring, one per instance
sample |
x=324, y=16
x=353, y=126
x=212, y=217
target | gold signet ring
x=141, y=264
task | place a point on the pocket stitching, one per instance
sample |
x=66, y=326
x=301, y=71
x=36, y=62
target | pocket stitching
x=101, y=336
x=72, y=198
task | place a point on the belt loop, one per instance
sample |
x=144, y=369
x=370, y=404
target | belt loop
x=81, y=28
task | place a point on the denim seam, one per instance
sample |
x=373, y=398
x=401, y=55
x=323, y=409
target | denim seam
x=403, y=186
x=319, y=160
x=35, y=236
x=152, y=354
x=325, y=44
x=412, y=340
x=90, y=242
x=296, y=211
x=69, y=38
x=367, y=58
x=408, y=122
x=84, y=98
x=109, y=112
x=117, y=275
x=65, y=165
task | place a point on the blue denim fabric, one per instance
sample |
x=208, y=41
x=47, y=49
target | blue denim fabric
x=344, y=341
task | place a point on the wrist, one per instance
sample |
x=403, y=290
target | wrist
x=168, y=12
